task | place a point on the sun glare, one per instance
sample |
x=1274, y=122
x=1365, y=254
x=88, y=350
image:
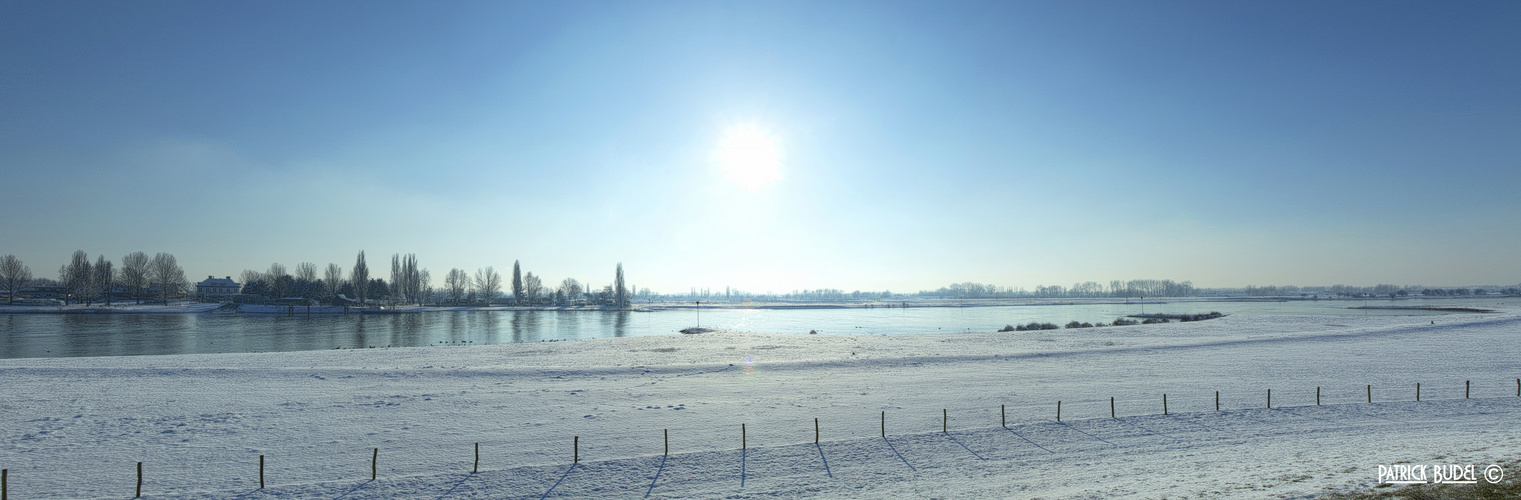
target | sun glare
x=749, y=157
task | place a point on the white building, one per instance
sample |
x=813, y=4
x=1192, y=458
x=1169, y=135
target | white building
x=214, y=288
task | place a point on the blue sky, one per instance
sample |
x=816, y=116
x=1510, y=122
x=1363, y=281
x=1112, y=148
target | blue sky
x=918, y=144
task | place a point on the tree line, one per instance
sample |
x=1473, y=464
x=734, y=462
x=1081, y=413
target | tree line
x=410, y=283
x=159, y=278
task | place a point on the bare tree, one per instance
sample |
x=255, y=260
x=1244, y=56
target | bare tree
x=488, y=282
x=397, y=286
x=424, y=286
x=165, y=272
x=361, y=278
x=134, y=274
x=13, y=276
x=571, y=288
x=405, y=281
x=75, y=277
x=411, y=278
x=455, y=284
x=306, y=271
x=532, y=287
x=517, y=283
x=103, y=277
x=333, y=278
x=620, y=293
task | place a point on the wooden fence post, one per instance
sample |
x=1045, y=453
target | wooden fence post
x=1058, y=410
x=1217, y=400
x=477, y=467
x=945, y=421
x=4, y=483
x=139, y=480
x=1270, y=398
x=742, y=444
x=1370, y=393
x=576, y=443
x=1164, y=403
x=815, y=430
x=1003, y=416
x=884, y=424
x=667, y=441
x=1417, y=391
x=1111, y=406
x=1467, y=384
x=261, y=472
x=1317, y=396
x=374, y=459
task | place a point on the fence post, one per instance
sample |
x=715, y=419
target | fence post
x=1467, y=384
x=4, y=483
x=815, y=430
x=374, y=458
x=1003, y=416
x=1370, y=393
x=742, y=444
x=477, y=467
x=884, y=424
x=1270, y=398
x=1058, y=410
x=945, y=421
x=667, y=441
x=139, y=480
x=1217, y=400
x=261, y=472
x=1417, y=391
x=576, y=443
x=1111, y=406
x=1317, y=396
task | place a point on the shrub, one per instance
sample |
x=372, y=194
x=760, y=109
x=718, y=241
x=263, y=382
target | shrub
x=1125, y=322
x=1008, y=328
x=1150, y=321
x=1074, y=324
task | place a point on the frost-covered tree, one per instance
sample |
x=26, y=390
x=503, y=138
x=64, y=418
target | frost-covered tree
x=517, y=283
x=134, y=274
x=75, y=277
x=166, y=274
x=532, y=287
x=570, y=287
x=306, y=271
x=332, y=279
x=620, y=293
x=360, y=276
x=456, y=283
x=424, y=286
x=488, y=282
x=405, y=280
x=103, y=277
x=14, y=275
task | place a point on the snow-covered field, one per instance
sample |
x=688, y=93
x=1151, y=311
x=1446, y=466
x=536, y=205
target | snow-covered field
x=75, y=427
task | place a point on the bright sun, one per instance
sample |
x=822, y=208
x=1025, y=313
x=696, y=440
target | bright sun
x=749, y=157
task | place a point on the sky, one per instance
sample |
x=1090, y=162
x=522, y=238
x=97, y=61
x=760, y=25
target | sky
x=773, y=146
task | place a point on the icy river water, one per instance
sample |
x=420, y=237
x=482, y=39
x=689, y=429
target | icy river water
x=72, y=335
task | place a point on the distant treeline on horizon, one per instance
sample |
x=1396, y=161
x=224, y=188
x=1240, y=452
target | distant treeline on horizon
x=160, y=278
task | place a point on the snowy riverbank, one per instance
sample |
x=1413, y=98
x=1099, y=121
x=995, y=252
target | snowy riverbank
x=76, y=426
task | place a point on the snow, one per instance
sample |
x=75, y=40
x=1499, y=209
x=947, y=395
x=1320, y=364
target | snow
x=177, y=307
x=75, y=427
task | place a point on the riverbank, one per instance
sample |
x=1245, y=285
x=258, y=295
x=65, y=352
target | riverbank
x=199, y=422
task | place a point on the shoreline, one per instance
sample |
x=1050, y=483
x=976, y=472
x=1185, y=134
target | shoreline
x=185, y=307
